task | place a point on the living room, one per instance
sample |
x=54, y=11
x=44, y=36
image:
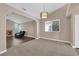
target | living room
x=53, y=29
x=19, y=30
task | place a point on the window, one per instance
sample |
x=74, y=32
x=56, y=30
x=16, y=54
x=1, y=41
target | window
x=51, y=26
x=48, y=26
x=17, y=28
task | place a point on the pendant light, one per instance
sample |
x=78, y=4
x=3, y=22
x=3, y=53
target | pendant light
x=44, y=14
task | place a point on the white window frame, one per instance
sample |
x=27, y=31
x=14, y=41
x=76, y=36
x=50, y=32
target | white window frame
x=52, y=29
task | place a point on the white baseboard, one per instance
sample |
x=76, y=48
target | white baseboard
x=29, y=36
x=3, y=51
x=60, y=41
x=74, y=46
x=37, y=38
x=56, y=40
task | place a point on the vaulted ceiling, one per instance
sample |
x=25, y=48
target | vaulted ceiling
x=34, y=9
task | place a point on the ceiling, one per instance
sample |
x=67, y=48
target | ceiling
x=34, y=9
x=17, y=18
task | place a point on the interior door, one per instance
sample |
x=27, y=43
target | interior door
x=77, y=31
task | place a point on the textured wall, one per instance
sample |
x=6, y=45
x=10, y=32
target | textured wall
x=64, y=33
x=30, y=28
x=66, y=24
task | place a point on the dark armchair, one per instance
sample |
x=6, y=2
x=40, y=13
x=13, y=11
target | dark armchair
x=20, y=34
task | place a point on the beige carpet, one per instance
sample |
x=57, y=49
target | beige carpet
x=41, y=47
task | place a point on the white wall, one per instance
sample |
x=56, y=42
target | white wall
x=75, y=29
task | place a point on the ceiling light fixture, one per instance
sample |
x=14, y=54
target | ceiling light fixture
x=44, y=14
